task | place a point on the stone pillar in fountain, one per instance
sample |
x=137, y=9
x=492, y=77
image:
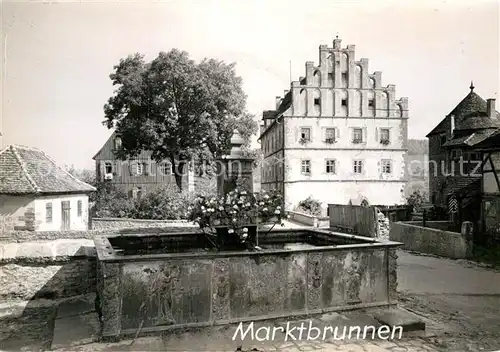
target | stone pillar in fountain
x=234, y=169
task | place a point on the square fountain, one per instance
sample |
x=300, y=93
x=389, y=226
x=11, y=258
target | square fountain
x=155, y=282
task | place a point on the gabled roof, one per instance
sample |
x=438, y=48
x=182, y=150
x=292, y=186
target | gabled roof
x=107, y=141
x=25, y=170
x=472, y=106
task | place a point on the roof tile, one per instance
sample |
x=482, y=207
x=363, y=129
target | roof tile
x=25, y=170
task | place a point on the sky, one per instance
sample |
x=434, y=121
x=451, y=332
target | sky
x=57, y=55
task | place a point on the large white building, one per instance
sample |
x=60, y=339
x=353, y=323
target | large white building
x=337, y=136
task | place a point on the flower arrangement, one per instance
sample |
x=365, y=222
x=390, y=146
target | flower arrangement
x=238, y=212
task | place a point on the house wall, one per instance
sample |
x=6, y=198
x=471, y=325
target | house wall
x=16, y=212
x=336, y=94
x=76, y=222
x=125, y=176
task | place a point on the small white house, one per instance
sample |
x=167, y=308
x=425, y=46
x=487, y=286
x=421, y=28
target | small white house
x=38, y=195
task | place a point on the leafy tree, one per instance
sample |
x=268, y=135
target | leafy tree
x=179, y=110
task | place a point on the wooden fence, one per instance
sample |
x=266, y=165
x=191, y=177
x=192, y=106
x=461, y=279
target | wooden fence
x=353, y=219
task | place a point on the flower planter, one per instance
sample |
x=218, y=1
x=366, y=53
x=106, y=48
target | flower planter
x=271, y=220
x=227, y=240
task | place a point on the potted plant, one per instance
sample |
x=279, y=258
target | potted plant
x=232, y=220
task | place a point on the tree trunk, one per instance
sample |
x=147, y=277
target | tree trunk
x=178, y=172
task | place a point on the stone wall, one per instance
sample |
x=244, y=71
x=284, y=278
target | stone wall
x=124, y=223
x=431, y=241
x=121, y=226
x=47, y=269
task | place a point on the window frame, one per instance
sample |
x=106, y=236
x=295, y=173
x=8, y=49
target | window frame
x=386, y=163
x=305, y=166
x=334, y=166
x=383, y=140
x=49, y=212
x=106, y=164
x=334, y=132
x=357, y=164
x=308, y=129
x=360, y=130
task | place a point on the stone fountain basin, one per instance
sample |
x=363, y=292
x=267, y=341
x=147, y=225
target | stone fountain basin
x=156, y=282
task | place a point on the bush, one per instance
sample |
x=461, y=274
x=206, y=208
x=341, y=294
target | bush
x=310, y=206
x=165, y=204
x=415, y=200
x=110, y=201
x=437, y=213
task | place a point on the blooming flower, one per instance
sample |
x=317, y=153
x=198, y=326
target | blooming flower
x=277, y=211
x=265, y=209
x=221, y=208
x=245, y=230
x=234, y=220
x=230, y=231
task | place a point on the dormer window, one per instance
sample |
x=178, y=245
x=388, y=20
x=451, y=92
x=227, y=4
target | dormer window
x=118, y=143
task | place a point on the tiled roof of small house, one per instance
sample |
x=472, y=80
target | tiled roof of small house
x=473, y=107
x=25, y=170
x=470, y=139
x=493, y=141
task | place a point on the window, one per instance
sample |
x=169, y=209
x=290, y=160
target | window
x=108, y=167
x=344, y=102
x=474, y=156
x=330, y=77
x=118, y=143
x=317, y=101
x=330, y=166
x=48, y=212
x=386, y=166
x=456, y=154
x=305, y=167
x=165, y=168
x=139, y=169
x=371, y=103
x=358, y=166
x=357, y=135
x=79, y=208
x=384, y=136
x=442, y=139
x=330, y=135
x=344, y=77
x=305, y=134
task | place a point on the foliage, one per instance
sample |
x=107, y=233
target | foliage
x=237, y=210
x=179, y=110
x=164, y=204
x=310, y=206
x=415, y=200
x=111, y=201
x=437, y=213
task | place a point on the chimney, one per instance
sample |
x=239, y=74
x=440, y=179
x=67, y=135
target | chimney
x=452, y=123
x=278, y=102
x=490, y=108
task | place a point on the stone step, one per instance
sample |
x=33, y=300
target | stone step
x=77, y=323
x=398, y=317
